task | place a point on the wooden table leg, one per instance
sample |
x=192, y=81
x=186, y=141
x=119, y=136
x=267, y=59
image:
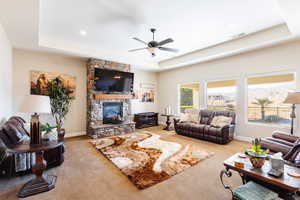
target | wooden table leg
x=168, y=127
x=42, y=182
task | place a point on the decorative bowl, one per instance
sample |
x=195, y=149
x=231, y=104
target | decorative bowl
x=257, y=161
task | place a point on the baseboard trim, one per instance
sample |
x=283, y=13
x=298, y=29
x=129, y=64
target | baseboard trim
x=243, y=138
x=75, y=134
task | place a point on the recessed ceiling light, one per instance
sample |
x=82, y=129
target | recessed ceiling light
x=83, y=32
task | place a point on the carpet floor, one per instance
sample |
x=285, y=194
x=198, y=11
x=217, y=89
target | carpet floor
x=88, y=175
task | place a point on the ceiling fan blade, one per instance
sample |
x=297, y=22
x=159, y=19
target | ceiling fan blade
x=168, y=49
x=166, y=41
x=138, y=49
x=139, y=40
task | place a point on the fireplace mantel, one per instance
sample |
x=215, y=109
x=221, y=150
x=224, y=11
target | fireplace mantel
x=112, y=96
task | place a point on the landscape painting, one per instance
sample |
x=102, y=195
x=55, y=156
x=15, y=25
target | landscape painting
x=39, y=82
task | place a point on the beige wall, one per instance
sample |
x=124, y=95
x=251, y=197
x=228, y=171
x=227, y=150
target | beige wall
x=148, y=77
x=5, y=76
x=24, y=61
x=284, y=57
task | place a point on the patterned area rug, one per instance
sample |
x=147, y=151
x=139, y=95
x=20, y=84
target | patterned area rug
x=146, y=159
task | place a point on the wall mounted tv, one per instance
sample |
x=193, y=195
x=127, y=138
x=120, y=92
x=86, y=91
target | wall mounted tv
x=111, y=81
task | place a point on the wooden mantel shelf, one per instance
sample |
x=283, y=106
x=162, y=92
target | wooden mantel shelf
x=112, y=96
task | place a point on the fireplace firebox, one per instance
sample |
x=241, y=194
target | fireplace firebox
x=112, y=112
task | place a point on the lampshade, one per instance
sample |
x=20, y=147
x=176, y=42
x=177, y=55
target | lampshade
x=36, y=104
x=293, y=98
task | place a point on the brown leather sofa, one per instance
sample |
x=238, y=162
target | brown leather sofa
x=13, y=132
x=203, y=130
x=289, y=145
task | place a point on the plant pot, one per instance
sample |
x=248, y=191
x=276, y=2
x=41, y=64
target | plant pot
x=61, y=133
x=257, y=162
x=50, y=136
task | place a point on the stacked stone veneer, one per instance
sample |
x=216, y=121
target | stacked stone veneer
x=95, y=126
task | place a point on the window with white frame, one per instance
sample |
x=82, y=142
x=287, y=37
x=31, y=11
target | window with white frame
x=266, y=95
x=221, y=95
x=189, y=96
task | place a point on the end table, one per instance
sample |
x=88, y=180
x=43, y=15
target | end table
x=168, y=122
x=42, y=182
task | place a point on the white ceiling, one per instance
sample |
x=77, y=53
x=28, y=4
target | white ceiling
x=110, y=24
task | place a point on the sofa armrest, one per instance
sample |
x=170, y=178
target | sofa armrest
x=274, y=146
x=228, y=128
x=176, y=121
x=285, y=136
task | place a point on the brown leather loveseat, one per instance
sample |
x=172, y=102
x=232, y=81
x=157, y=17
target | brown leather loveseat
x=203, y=130
x=13, y=132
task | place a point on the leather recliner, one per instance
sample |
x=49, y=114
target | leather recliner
x=288, y=145
x=203, y=130
x=13, y=132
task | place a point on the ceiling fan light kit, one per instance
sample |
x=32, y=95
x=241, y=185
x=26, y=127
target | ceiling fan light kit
x=153, y=45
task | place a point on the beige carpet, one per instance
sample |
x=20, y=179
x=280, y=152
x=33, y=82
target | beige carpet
x=86, y=175
x=146, y=159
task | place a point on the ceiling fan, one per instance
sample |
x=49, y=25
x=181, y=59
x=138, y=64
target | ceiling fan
x=153, y=45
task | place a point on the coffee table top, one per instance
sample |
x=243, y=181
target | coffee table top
x=26, y=147
x=286, y=181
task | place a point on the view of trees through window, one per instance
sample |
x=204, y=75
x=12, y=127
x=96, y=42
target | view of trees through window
x=265, y=99
x=189, y=96
x=221, y=95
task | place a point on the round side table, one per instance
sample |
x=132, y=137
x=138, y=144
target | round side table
x=168, y=122
x=42, y=182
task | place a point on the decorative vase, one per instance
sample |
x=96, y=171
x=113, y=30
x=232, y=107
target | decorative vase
x=257, y=161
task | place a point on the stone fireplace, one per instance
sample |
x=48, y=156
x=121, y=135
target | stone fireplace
x=107, y=114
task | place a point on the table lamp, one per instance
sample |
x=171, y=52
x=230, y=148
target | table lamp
x=293, y=98
x=35, y=104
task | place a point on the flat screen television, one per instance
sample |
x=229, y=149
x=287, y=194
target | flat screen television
x=111, y=81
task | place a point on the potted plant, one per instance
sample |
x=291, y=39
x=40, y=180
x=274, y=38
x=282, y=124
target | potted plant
x=257, y=154
x=46, y=129
x=60, y=101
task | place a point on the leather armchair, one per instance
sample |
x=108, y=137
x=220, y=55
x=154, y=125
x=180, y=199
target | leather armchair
x=203, y=129
x=14, y=132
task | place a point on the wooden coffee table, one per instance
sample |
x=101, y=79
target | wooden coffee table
x=286, y=186
x=42, y=182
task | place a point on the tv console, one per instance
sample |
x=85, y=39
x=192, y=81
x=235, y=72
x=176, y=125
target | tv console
x=147, y=119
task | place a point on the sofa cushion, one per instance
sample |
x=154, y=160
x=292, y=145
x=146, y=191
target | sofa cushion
x=206, y=116
x=221, y=121
x=187, y=117
x=215, y=131
x=198, y=128
x=226, y=113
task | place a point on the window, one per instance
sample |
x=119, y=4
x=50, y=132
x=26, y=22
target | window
x=265, y=99
x=189, y=96
x=221, y=95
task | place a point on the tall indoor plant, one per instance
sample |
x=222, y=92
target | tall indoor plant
x=60, y=101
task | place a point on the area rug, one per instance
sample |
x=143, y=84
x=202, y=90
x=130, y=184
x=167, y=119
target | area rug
x=146, y=159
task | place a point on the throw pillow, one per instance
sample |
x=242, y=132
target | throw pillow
x=184, y=117
x=221, y=121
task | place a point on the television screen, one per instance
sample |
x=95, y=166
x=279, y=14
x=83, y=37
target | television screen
x=111, y=81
